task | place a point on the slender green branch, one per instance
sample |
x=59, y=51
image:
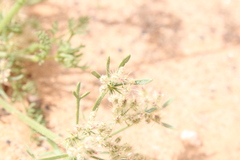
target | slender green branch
x=70, y=37
x=98, y=101
x=14, y=10
x=30, y=122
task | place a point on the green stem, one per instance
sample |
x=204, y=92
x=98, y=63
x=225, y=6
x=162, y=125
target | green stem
x=30, y=122
x=14, y=10
x=78, y=98
x=18, y=55
x=70, y=37
x=98, y=101
x=77, y=113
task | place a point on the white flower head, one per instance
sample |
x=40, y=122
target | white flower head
x=104, y=79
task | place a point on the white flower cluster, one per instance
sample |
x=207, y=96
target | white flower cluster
x=131, y=108
x=88, y=140
x=92, y=140
x=4, y=72
x=116, y=82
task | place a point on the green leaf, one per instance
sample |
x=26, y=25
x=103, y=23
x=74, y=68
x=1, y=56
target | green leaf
x=54, y=146
x=97, y=158
x=167, y=125
x=98, y=101
x=124, y=61
x=46, y=153
x=107, y=69
x=84, y=95
x=78, y=88
x=17, y=77
x=97, y=75
x=167, y=103
x=142, y=81
x=75, y=94
x=30, y=152
x=151, y=110
x=55, y=157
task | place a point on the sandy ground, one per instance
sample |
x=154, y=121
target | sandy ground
x=190, y=48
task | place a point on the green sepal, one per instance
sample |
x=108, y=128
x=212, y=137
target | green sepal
x=97, y=75
x=142, y=81
x=124, y=61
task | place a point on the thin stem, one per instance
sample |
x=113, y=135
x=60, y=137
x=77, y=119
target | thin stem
x=120, y=130
x=70, y=37
x=30, y=122
x=77, y=113
x=78, y=98
x=14, y=10
x=55, y=157
x=98, y=101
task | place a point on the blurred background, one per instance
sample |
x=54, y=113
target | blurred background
x=190, y=48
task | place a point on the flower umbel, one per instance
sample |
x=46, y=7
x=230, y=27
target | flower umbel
x=130, y=106
x=116, y=82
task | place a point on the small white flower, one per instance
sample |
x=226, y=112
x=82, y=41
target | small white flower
x=104, y=79
x=80, y=157
x=103, y=88
x=92, y=115
x=114, y=78
x=120, y=71
x=89, y=142
x=72, y=152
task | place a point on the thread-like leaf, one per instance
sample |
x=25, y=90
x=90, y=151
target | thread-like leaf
x=30, y=122
x=98, y=101
x=84, y=95
x=124, y=61
x=97, y=75
x=151, y=110
x=97, y=158
x=108, y=66
x=167, y=125
x=75, y=94
x=30, y=152
x=142, y=81
x=78, y=88
x=55, y=157
x=167, y=103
